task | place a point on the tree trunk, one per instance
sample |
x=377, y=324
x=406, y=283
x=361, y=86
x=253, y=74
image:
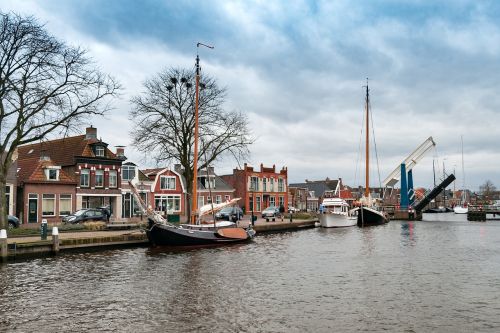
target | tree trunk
x=3, y=199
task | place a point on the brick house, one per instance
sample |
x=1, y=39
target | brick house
x=259, y=189
x=168, y=190
x=216, y=186
x=60, y=176
x=328, y=188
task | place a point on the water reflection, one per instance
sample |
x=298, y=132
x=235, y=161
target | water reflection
x=407, y=233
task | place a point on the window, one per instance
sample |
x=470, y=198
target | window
x=272, y=201
x=282, y=200
x=113, y=178
x=250, y=203
x=48, y=205
x=64, y=204
x=84, y=177
x=201, y=201
x=257, y=203
x=99, y=151
x=264, y=184
x=227, y=197
x=99, y=178
x=254, y=184
x=167, y=183
x=52, y=174
x=7, y=196
x=128, y=172
x=281, y=185
x=168, y=203
x=209, y=200
x=271, y=184
x=218, y=199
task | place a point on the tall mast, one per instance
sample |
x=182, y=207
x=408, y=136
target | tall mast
x=367, y=143
x=195, y=162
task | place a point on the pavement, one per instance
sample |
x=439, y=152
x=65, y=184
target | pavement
x=74, y=235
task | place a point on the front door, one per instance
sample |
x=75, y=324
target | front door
x=33, y=210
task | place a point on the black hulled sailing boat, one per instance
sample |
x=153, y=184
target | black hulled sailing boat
x=160, y=232
x=368, y=215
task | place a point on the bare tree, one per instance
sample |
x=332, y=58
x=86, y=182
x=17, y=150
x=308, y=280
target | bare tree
x=45, y=86
x=487, y=190
x=164, y=116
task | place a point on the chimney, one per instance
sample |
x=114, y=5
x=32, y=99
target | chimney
x=90, y=133
x=44, y=156
x=178, y=168
x=120, y=152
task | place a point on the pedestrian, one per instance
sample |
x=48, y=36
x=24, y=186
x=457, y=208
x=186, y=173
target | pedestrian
x=282, y=211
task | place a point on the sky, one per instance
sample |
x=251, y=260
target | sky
x=297, y=69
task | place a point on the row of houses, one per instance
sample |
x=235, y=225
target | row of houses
x=52, y=179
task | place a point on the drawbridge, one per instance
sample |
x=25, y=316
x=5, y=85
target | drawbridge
x=434, y=193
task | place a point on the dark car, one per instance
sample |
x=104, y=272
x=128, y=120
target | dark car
x=86, y=215
x=13, y=222
x=229, y=214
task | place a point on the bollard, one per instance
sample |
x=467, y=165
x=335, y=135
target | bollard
x=291, y=218
x=43, y=230
x=3, y=245
x=55, y=240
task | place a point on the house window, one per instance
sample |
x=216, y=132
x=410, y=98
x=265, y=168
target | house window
x=99, y=178
x=128, y=172
x=52, y=174
x=271, y=184
x=201, y=201
x=7, y=197
x=168, y=203
x=250, y=203
x=48, y=205
x=282, y=200
x=272, y=201
x=227, y=197
x=167, y=183
x=112, y=178
x=254, y=184
x=264, y=184
x=209, y=200
x=99, y=151
x=218, y=199
x=257, y=203
x=281, y=185
x=84, y=177
x=64, y=204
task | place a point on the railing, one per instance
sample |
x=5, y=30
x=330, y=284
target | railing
x=484, y=208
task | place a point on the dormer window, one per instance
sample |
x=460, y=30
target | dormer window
x=128, y=172
x=52, y=173
x=99, y=151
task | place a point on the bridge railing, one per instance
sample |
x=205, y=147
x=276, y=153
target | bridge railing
x=483, y=208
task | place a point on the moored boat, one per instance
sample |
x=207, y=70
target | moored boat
x=335, y=213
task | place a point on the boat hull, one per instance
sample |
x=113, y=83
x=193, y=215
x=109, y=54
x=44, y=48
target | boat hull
x=460, y=210
x=369, y=217
x=331, y=220
x=167, y=235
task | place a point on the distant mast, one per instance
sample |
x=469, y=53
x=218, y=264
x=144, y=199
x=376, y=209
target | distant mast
x=367, y=143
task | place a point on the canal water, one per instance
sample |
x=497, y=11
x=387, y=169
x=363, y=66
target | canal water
x=437, y=275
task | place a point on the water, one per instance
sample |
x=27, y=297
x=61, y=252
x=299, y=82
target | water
x=429, y=276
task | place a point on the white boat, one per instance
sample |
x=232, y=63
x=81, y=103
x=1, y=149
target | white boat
x=462, y=207
x=336, y=213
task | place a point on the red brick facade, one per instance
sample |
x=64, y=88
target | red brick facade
x=259, y=189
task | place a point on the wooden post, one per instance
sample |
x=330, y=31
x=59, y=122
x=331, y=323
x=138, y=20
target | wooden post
x=3, y=245
x=55, y=240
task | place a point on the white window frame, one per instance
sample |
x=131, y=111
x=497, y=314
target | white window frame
x=47, y=173
x=201, y=201
x=170, y=197
x=84, y=172
x=100, y=173
x=66, y=199
x=254, y=183
x=272, y=201
x=113, y=174
x=128, y=169
x=271, y=184
x=218, y=199
x=54, y=203
x=281, y=185
x=281, y=200
x=169, y=182
x=100, y=151
x=227, y=197
x=258, y=203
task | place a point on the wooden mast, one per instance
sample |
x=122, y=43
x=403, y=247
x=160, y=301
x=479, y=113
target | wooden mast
x=367, y=143
x=195, y=162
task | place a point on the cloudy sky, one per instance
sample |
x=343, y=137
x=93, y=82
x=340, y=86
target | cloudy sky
x=296, y=69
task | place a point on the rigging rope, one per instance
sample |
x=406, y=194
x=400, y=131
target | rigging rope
x=375, y=145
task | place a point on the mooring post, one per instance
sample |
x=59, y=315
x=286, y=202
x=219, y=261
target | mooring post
x=55, y=240
x=3, y=244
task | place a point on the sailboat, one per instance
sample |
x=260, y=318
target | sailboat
x=367, y=213
x=462, y=207
x=161, y=232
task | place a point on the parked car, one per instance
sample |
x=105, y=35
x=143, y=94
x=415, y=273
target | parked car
x=86, y=215
x=13, y=222
x=233, y=213
x=292, y=209
x=271, y=212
